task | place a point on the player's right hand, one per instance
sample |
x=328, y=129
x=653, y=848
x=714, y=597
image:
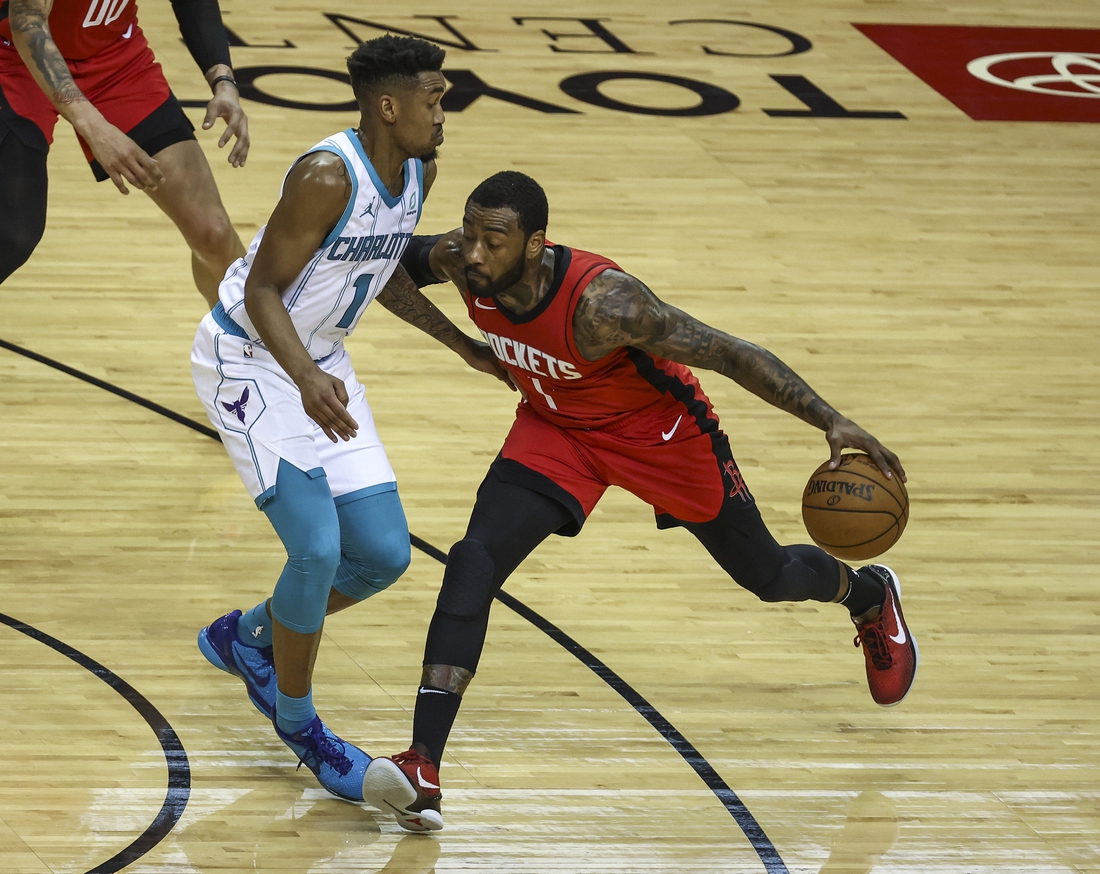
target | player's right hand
x=480, y=357
x=325, y=400
x=846, y=434
x=123, y=159
x=226, y=104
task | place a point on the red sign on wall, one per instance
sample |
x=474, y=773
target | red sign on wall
x=1002, y=73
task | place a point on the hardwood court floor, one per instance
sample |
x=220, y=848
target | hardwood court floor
x=936, y=278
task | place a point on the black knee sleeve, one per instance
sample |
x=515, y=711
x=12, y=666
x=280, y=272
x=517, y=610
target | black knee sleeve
x=808, y=574
x=784, y=586
x=468, y=581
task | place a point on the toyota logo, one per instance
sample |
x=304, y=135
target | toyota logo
x=1075, y=74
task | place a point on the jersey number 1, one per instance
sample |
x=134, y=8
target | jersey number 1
x=549, y=400
x=362, y=286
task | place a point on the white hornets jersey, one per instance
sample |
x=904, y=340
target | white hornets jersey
x=354, y=262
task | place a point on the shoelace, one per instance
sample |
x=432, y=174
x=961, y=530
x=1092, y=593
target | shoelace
x=324, y=750
x=876, y=646
x=261, y=662
x=410, y=757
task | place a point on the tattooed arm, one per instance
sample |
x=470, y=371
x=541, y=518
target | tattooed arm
x=119, y=156
x=619, y=310
x=402, y=298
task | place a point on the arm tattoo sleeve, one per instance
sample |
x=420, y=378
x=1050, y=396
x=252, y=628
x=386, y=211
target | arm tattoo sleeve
x=402, y=298
x=30, y=20
x=618, y=310
x=762, y=373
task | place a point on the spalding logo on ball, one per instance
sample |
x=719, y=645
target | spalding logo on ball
x=853, y=511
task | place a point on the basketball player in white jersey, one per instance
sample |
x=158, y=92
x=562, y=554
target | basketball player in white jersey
x=270, y=367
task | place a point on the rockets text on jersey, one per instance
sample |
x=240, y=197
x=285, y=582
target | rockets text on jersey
x=529, y=358
x=562, y=386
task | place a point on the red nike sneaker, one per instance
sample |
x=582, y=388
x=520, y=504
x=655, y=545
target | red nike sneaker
x=889, y=648
x=406, y=785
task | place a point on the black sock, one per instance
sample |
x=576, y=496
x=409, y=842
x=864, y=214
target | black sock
x=435, y=713
x=865, y=593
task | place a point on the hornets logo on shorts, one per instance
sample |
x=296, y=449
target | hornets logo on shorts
x=239, y=404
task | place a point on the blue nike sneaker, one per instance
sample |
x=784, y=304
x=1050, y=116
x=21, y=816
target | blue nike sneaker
x=339, y=766
x=255, y=666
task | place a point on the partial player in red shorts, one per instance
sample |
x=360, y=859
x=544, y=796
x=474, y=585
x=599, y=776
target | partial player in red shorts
x=608, y=400
x=88, y=61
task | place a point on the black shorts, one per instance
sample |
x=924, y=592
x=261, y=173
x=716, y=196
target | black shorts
x=164, y=126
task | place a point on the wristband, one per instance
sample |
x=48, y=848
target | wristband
x=229, y=79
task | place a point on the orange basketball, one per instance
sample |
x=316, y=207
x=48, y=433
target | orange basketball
x=853, y=511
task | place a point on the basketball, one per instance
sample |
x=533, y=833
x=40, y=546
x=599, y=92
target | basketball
x=853, y=511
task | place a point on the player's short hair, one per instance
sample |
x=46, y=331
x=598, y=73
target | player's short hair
x=518, y=192
x=386, y=60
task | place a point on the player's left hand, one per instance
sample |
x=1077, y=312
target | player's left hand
x=480, y=357
x=846, y=434
x=226, y=104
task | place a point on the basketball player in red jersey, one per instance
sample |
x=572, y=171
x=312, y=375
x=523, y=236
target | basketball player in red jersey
x=88, y=61
x=608, y=400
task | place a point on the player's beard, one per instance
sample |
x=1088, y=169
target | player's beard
x=431, y=152
x=495, y=286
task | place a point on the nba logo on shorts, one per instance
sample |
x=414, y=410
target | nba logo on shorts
x=1002, y=73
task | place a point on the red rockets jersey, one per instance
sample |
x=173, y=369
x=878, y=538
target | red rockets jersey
x=539, y=350
x=82, y=28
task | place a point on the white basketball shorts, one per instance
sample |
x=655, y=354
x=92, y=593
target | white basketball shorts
x=258, y=411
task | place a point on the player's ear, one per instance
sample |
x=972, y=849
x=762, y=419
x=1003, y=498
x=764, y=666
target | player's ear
x=535, y=244
x=387, y=108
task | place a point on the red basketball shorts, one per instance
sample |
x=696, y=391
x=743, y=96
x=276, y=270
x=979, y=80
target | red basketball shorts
x=124, y=82
x=674, y=459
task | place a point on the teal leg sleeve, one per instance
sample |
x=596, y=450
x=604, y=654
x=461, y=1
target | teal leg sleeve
x=303, y=514
x=374, y=541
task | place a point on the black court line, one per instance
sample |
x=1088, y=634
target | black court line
x=760, y=842
x=736, y=808
x=113, y=389
x=179, y=771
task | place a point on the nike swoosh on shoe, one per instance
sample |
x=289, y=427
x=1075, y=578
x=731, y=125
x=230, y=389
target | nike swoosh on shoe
x=424, y=783
x=897, y=619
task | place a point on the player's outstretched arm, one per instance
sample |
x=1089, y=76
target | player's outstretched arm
x=121, y=158
x=402, y=298
x=432, y=259
x=314, y=197
x=204, y=34
x=619, y=310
